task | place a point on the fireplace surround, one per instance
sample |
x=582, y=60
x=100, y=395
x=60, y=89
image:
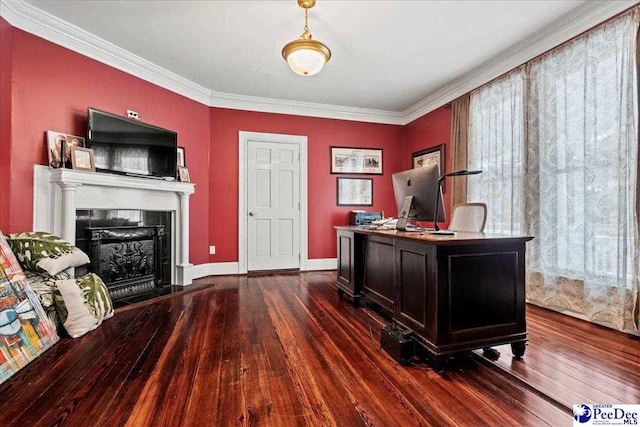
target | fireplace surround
x=60, y=193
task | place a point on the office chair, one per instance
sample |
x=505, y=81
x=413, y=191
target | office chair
x=468, y=217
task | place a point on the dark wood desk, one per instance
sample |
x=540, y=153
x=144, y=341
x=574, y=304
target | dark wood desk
x=456, y=293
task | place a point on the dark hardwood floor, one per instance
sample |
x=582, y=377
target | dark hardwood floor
x=284, y=350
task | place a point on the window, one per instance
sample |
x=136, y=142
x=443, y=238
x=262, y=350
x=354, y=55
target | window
x=568, y=173
x=583, y=159
x=496, y=146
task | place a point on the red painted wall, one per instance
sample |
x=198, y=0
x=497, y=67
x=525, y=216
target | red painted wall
x=47, y=87
x=52, y=88
x=428, y=131
x=6, y=59
x=323, y=210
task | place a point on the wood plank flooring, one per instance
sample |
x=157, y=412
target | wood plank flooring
x=284, y=350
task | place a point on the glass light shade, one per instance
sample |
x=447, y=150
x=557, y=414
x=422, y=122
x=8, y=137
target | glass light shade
x=306, y=57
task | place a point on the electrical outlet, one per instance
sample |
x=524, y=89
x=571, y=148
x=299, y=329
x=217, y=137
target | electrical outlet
x=212, y=250
x=133, y=114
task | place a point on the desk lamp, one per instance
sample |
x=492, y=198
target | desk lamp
x=440, y=181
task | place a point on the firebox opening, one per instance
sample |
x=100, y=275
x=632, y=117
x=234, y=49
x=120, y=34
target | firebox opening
x=129, y=249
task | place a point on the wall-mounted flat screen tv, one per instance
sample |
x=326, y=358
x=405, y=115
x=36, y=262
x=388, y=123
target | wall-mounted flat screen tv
x=130, y=147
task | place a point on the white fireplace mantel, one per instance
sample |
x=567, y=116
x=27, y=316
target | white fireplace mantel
x=58, y=193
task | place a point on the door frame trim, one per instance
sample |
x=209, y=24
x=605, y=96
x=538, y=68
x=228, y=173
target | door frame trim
x=243, y=140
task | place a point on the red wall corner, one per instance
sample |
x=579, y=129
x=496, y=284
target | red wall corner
x=428, y=131
x=6, y=66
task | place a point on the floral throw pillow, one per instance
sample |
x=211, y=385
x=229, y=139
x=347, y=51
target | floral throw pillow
x=43, y=252
x=82, y=304
x=44, y=287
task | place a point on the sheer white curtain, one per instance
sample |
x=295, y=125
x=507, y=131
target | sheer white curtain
x=568, y=173
x=582, y=178
x=496, y=146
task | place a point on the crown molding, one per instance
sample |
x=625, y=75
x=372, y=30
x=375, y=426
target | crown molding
x=28, y=18
x=35, y=21
x=299, y=108
x=568, y=26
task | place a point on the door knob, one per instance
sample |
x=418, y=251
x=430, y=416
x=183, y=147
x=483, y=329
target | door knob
x=252, y=213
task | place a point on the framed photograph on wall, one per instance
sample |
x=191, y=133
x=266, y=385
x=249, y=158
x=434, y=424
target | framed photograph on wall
x=430, y=156
x=181, y=157
x=82, y=159
x=355, y=191
x=356, y=160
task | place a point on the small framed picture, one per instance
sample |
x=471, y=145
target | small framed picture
x=355, y=191
x=184, y=174
x=181, y=159
x=82, y=159
x=57, y=143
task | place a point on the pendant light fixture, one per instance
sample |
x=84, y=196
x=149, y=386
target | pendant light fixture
x=306, y=56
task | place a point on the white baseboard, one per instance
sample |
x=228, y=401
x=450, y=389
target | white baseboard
x=224, y=268
x=321, y=264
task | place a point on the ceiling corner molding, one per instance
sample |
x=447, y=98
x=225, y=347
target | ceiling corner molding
x=35, y=21
x=29, y=18
x=308, y=109
x=568, y=26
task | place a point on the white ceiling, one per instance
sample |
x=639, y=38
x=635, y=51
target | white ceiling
x=387, y=56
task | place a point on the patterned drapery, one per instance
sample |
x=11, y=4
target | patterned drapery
x=582, y=157
x=496, y=146
x=568, y=173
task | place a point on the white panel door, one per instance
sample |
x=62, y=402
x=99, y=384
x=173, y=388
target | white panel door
x=273, y=206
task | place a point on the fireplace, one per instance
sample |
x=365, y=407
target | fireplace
x=91, y=219
x=128, y=260
x=61, y=195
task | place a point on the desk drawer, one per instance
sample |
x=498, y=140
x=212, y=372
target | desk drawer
x=379, y=284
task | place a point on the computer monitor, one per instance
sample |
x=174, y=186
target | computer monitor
x=421, y=185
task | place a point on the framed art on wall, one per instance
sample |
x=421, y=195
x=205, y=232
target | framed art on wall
x=430, y=156
x=355, y=191
x=356, y=160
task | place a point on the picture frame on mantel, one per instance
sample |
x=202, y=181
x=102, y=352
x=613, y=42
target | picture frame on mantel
x=82, y=159
x=430, y=156
x=182, y=162
x=59, y=148
x=351, y=160
x=183, y=174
